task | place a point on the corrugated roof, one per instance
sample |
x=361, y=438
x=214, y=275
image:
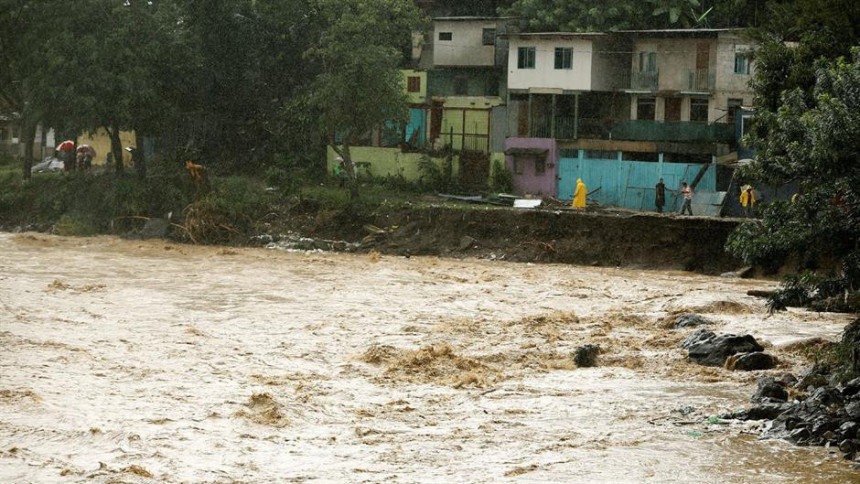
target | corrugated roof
x=555, y=34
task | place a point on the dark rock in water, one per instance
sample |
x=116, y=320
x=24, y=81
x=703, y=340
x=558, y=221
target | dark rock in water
x=853, y=410
x=708, y=349
x=823, y=396
x=154, y=228
x=814, y=377
x=848, y=446
x=690, y=320
x=787, y=380
x=770, y=389
x=764, y=411
x=753, y=361
x=848, y=430
x=586, y=356
x=697, y=337
x=799, y=435
x=851, y=388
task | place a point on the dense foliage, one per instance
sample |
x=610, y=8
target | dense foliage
x=807, y=135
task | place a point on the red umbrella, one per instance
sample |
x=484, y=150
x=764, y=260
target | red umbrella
x=87, y=149
x=67, y=145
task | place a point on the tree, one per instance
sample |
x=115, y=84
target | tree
x=19, y=52
x=811, y=140
x=102, y=66
x=600, y=16
x=359, y=85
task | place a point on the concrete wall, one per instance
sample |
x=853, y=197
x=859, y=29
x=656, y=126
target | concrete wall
x=385, y=161
x=544, y=75
x=609, y=64
x=415, y=97
x=675, y=58
x=529, y=182
x=466, y=45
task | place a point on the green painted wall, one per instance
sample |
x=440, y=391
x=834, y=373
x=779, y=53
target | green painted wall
x=391, y=161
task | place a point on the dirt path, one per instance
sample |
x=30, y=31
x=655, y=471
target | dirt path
x=149, y=362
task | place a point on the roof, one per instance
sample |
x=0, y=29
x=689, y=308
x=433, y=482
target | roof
x=680, y=32
x=554, y=34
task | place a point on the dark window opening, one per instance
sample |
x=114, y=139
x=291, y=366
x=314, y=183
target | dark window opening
x=526, y=58
x=540, y=166
x=564, y=58
x=489, y=37
x=519, y=165
x=646, y=108
x=742, y=63
x=639, y=156
x=732, y=109
x=699, y=110
x=647, y=62
x=413, y=84
x=446, y=36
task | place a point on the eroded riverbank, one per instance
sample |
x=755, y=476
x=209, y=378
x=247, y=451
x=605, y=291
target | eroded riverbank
x=154, y=362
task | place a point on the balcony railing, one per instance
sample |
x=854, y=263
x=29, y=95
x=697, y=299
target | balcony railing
x=682, y=131
x=644, y=81
x=701, y=80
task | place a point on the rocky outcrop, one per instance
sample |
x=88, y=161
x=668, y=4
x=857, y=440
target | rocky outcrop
x=708, y=349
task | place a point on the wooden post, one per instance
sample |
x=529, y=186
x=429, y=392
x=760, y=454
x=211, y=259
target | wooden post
x=530, y=115
x=576, y=116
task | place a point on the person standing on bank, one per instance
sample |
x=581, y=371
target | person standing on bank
x=660, y=197
x=688, y=199
x=579, y=194
x=748, y=200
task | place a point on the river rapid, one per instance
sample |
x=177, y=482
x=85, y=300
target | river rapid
x=130, y=361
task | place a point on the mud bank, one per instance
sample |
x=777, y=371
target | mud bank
x=594, y=238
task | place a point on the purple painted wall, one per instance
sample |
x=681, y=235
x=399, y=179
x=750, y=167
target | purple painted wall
x=528, y=181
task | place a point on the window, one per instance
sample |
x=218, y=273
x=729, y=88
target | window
x=413, y=84
x=732, y=108
x=540, y=165
x=526, y=58
x=446, y=36
x=16, y=132
x=461, y=86
x=746, y=124
x=646, y=108
x=647, y=62
x=564, y=58
x=743, y=58
x=489, y=37
x=519, y=165
x=699, y=110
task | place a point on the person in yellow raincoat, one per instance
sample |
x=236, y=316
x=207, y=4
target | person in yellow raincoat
x=579, y=194
x=747, y=200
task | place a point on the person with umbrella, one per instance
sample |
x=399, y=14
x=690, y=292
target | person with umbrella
x=88, y=154
x=66, y=149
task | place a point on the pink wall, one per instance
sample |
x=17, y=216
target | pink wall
x=528, y=181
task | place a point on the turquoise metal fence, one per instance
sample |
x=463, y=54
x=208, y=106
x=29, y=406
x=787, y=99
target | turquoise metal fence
x=630, y=184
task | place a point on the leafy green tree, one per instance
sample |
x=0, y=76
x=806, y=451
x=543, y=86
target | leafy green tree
x=103, y=66
x=19, y=58
x=600, y=16
x=359, y=85
x=811, y=140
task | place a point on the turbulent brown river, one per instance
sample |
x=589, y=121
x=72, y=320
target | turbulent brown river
x=128, y=361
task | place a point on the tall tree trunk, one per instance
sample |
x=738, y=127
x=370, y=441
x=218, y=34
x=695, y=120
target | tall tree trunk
x=139, y=156
x=116, y=148
x=28, y=135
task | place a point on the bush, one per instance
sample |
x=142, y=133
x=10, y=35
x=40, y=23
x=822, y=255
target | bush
x=501, y=178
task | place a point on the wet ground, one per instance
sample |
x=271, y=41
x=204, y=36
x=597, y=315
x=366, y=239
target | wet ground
x=125, y=361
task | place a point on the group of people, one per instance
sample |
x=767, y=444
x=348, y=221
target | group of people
x=660, y=197
x=747, y=197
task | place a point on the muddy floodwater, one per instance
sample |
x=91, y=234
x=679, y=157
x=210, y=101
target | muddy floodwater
x=128, y=361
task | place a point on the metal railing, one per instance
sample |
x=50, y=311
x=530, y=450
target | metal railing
x=645, y=81
x=701, y=80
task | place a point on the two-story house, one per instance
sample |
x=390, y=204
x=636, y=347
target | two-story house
x=623, y=109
